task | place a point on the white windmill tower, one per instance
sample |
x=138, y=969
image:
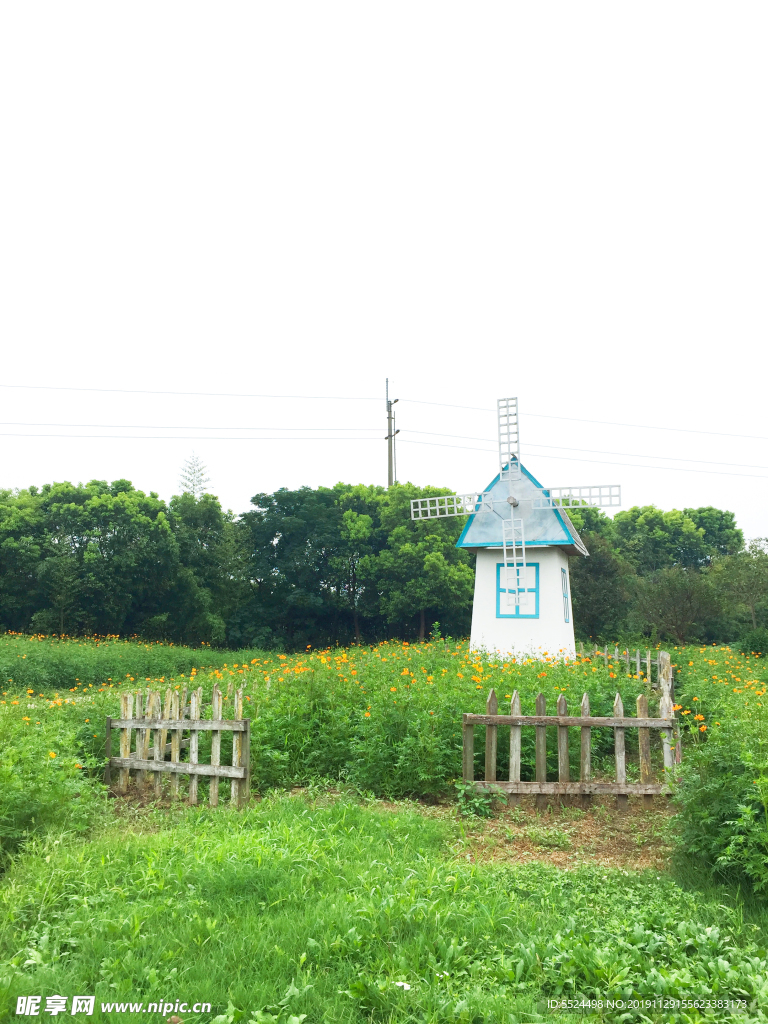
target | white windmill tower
x=522, y=536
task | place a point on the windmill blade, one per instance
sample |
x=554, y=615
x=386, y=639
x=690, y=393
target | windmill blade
x=509, y=441
x=514, y=569
x=451, y=505
x=598, y=496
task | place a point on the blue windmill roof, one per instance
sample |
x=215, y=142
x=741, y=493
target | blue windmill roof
x=545, y=526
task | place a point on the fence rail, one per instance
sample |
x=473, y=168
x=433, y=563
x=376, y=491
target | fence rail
x=586, y=786
x=142, y=718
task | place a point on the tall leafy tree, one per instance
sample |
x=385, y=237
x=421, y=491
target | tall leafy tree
x=420, y=573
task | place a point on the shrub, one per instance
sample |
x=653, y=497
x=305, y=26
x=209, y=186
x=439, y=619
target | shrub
x=754, y=642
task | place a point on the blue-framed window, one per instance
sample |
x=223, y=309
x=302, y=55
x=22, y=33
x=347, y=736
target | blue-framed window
x=528, y=610
x=566, y=607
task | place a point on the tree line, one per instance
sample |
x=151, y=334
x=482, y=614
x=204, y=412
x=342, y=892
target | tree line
x=339, y=564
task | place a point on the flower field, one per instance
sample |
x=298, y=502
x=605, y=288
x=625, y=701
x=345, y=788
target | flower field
x=341, y=907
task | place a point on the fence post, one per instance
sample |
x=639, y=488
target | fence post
x=468, y=752
x=141, y=735
x=563, y=766
x=515, y=744
x=155, y=710
x=541, y=750
x=644, y=745
x=491, y=738
x=108, y=753
x=621, y=764
x=665, y=685
x=667, y=735
x=213, y=792
x=175, y=742
x=195, y=701
x=126, y=712
x=237, y=748
x=648, y=667
x=245, y=790
x=586, y=752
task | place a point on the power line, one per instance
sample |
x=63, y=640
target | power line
x=189, y=394
x=365, y=398
x=174, y=426
x=599, y=462
x=601, y=451
x=187, y=437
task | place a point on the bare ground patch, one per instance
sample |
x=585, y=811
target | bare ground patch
x=636, y=839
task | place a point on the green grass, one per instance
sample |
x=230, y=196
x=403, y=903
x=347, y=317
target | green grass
x=292, y=908
x=338, y=904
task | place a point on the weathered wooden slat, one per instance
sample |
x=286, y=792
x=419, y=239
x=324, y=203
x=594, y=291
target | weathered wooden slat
x=667, y=736
x=648, y=667
x=126, y=710
x=644, y=744
x=166, y=714
x=176, y=741
x=621, y=764
x=586, y=751
x=491, y=737
x=168, y=750
x=216, y=713
x=608, y=723
x=141, y=734
x=237, y=747
x=158, y=744
x=108, y=752
x=541, y=745
x=563, y=765
x=202, y=725
x=468, y=753
x=577, y=788
x=245, y=791
x=224, y=771
x=666, y=685
x=195, y=703
x=515, y=744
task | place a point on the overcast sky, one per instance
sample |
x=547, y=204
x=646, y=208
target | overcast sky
x=565, y=202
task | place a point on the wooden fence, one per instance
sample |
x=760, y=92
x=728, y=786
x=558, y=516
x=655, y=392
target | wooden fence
x=142, y=717
x=584, y=722
x=639, y=663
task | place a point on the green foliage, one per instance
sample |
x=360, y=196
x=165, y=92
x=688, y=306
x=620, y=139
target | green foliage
x=345, y=913
x=754, y=641
x=478, y=802
x=724, y=775
x=549, y=837
x=45, y=783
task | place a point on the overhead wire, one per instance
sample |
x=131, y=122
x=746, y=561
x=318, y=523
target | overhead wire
x=367, y=398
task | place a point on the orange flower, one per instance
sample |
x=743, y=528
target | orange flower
x=393, y=689
x=698, y=718
x=702, y=728
x=367, y=714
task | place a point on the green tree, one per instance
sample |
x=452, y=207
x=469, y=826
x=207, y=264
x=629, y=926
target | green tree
x=743, y=577
x=679, y=602
x=420, y=573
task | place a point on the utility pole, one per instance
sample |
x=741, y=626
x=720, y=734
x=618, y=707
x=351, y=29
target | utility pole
x=390, y=438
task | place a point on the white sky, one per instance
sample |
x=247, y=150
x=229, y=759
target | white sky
x=564, y=202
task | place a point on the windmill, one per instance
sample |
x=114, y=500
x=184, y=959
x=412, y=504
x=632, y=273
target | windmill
x=516, y=607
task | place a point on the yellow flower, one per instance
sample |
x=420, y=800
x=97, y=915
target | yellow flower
x=51, y=754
